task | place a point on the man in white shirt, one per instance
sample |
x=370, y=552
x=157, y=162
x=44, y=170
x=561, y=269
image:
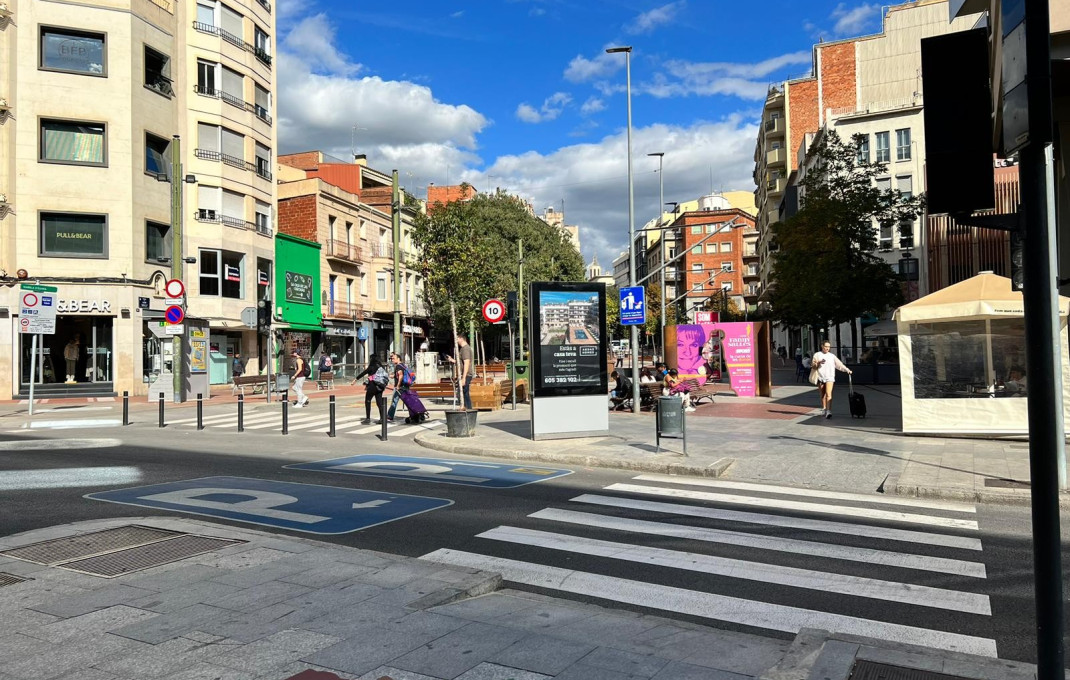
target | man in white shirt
x=826, y=364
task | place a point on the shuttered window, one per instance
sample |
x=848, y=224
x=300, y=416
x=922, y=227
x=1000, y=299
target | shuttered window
x=234, y=205
x=232, y=22
x=208, y=137
x=233, y=144
x=234, y=85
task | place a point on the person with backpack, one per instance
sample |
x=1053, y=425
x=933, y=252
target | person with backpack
x=402, y=381
x=374, y=387
x=302, y=371
x=326, y=365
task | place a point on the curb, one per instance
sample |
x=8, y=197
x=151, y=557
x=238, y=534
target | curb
x=663, y=463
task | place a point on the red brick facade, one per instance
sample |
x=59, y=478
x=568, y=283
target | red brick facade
x=802, y=115
x=722, y=248
x=449, y=194
x=307, y=160
x=297, y=217
x=838, y=77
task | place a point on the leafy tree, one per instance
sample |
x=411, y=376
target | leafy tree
x=614, y=329
x=825, y=270
x=653, y=312
x=723, y=303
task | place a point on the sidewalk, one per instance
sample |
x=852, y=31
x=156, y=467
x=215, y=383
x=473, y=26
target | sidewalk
x=782, y=440
x=277, y=607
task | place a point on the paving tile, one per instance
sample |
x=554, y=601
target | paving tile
x=628, y=663
x=459, y=651
x=336, y=596
x=260, y=596
x=605, y=628
x=76, y=605
x=164, y=658
x=173, y=576
x=543, y=654
x=373, y=647
x=90, y=674
x=247, y=577
x=22, y=620
x=395, y=674
x=18, y=646
x=328, y=575
x=490, y=671
x=197, y=592
x=747, y=655
x=485, y=607
x=545, y=616
x=400, y=574
x=173, y=624
x=581, y=671
x=99, y=621
x=242, y=558
x=207, y=671
x=71, y=655
x=677, y=670
x=251, y=626
x=274, y=651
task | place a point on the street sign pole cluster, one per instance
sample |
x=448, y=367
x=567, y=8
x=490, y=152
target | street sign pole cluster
x=37, y=315
x=174, y=317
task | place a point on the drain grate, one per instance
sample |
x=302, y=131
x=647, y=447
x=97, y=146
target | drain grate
x=1006, y=483
x=869, y=670
x=10, y=579
x=60, y=550
x=126, y=561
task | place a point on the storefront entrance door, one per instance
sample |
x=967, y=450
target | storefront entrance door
x=86, y=338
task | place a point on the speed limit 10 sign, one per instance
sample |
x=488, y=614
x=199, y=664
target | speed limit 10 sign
x=494, y=311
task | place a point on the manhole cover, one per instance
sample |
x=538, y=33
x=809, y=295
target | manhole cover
x=10, y=579
x=122, y=562
x=1006, y=483
x=59, y=550
x=868, y=670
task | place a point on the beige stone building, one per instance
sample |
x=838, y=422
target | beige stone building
x=95, y=92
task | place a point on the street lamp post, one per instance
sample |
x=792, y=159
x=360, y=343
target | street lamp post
x=661, y=243
x=631, y=225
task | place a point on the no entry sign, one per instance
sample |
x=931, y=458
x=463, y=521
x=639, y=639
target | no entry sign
x=174, y=288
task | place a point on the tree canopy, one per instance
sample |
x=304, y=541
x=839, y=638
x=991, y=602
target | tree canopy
x=825, y=268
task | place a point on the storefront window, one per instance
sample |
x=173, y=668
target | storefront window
x=74, y=235
x=87, y=340
x=969, y=359
x=64, y=49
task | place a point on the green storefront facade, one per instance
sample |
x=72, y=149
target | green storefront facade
x=298, y=313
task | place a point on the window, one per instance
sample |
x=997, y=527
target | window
x=349, y=291
x=332, y=220
x=234, y=209
x=726, y=247
x=697, y=286
x=904, y=184
x=158, y=72
x=883, y=151
x=696, y=229
x=349, y=233
x=380, y=286
x=908, y=268
x=263, y=218
x=262, y=46
x=233, y=88
x=712, y=228
x=697, y=250
x=263, y=275
x=726, y=266
x=711, y=248
x=696, y=268
x=726, y=286
x=221, y=273
x=363, y=228
x=206, y=77
x=233, y=26
x=157, y=242
x=863, y=148
x=363, y=284
x=71, y=51
x=76, y=143
x=262, y=103
x=902, y=144
x=206, y=13
x=157, y=155
x=73, y=235
x=209, y=203
x=263, y=161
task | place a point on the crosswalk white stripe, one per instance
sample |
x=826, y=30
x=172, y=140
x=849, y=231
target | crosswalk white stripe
x=867, y=513
x=821, y=525
x=708, y=605
x=206, y=419
x=816, y=493
x=292, y=420
x=325, y=421
x=789, y=545
x=420, y=427
x=365, y=430
x=250, y=419
x=844, y=584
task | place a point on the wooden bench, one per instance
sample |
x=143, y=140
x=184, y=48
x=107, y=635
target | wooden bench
x=258, y=382
x=698, y=392
x=442, y=389
x=648, y=398
x=325, y=380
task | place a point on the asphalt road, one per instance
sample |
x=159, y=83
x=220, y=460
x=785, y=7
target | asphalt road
x=647, y=546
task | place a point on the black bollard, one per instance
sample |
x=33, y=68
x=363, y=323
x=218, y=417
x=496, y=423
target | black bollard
x=200, y=412
x=161, y=409
x=126, y=408
x=331, y=407
x=241, y=413
x=285, y=413
x=380, y=401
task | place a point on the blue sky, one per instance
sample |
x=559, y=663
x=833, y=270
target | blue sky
x=520, y=94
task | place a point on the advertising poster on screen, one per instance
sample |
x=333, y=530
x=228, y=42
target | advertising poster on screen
x=569, y=331
x=703, y=350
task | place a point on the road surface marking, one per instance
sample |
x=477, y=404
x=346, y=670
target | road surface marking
x=59, y=444
x=73, y=424
x=67, y=478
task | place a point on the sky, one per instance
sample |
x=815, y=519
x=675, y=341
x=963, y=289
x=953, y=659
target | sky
x=521, y=95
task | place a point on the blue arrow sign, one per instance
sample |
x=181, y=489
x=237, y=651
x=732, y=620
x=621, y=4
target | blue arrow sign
x=632, y=306
x=309, y=508
x=467, y=473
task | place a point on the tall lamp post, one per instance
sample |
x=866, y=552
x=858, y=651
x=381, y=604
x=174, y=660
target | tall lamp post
x=661, y=243
x=631, y=225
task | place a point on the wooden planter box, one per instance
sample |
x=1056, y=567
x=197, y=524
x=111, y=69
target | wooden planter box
x=486, y=397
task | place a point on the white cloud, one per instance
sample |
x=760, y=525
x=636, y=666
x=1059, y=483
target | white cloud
x=592, y=177
x=592, y=105
x=551, y=108
x=854, y=21
x=458, y=14
x=743, y=80
x=312, y=41
x=581, y=69
x=648, y=21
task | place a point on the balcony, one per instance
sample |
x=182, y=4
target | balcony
x=382, y=249
x=751, y=273
x=233, y=161
x=750, y=254
x=775, y=157
x=336, y=309
x=774, y=127
x=211, y=29
x=776, y=185
x=263, y=56
x=212, y=216
x=342, y=250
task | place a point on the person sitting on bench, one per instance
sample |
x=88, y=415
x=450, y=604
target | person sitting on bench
x=622, y=391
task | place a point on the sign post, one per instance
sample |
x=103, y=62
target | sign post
x=37, y=315
x=174, y=316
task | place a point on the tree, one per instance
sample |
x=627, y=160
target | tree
x=653, y=312
x=825, y=270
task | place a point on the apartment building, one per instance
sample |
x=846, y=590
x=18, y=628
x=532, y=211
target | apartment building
x=556, y=218
x=712, y=267
x=95, y=94
x=347, y=208
x=869, y=85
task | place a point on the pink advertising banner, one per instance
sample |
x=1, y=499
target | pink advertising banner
x=701, y=349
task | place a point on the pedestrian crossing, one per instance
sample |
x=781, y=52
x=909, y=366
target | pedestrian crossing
x=760, y=556
x=299, y=421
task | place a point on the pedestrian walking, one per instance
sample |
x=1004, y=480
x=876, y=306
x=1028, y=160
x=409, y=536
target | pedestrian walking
x=374, y=386
x=399, y=382
x=71, y=353
x=465, y=369
x=236, y=366
x=823, y=367
x=302, y=371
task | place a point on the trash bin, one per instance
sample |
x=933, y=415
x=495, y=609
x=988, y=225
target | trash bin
x=671, y=421
x=518, y=370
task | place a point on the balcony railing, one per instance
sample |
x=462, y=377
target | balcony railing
x=212, y=29
x=341, y=250
x=776, y=157
x=776, y=185
x=774, y=126
x=259, y=111
x=336, y=309
x=233, y=161
x=262, y=165
x=262, y=55
x=382, y=249
x=212, y=216
x=262, y=113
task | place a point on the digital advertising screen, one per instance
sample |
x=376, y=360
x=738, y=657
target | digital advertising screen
x=568, y=339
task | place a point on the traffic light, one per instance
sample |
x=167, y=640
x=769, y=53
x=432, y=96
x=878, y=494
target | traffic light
x=510, y=306
x=1017, y=260
x=263, y=315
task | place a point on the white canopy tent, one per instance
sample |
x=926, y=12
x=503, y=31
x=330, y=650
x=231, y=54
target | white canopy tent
x=961, y=350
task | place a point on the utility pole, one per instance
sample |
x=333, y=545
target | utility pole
x=178, y=179
x=395, y=225
x=661, y=243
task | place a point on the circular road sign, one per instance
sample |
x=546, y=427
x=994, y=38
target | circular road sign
x=25, y=322
x=493, y=311
x=174, y=288
x=174, y=314
x=29, y=300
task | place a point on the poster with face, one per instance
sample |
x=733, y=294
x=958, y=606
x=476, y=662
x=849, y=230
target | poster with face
x=702, y=349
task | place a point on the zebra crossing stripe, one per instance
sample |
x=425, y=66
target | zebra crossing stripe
x=788, y=545
x=867, y=513
x=207, y=419
x=276, y=421
x=816, y=493
x=855, y=586
x=232, y=421
x=324, y=421
x=708, y=605
x=820, y=525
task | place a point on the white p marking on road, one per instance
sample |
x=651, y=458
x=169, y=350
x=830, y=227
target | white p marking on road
x=407, y=469
x=262, y=503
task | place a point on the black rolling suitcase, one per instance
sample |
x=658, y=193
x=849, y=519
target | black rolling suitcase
x=856, y=400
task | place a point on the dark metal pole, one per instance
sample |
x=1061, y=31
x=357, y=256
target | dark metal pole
x=200, y=411
x=126, y=408
x=161, y=409
x=241, y=413
x=380, y=402
x=286, y=413
x=331, y=407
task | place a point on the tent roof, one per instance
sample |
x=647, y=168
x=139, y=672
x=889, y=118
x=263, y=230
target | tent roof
x=985, y=296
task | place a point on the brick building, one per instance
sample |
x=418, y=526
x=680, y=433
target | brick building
x=449, y=194
x=714, y=261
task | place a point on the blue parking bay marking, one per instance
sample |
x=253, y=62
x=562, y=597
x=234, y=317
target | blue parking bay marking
x=489, y=475
x=309, y=508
